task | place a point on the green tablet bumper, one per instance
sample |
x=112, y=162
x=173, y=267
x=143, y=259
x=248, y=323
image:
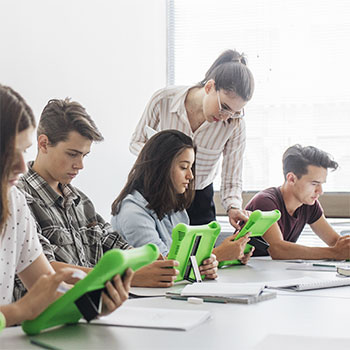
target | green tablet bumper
x=83, y=299
x=190, y=241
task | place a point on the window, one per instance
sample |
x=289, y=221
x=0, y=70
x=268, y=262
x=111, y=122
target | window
x=299, y=54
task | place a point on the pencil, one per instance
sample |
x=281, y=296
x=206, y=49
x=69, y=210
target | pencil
x=43, y=345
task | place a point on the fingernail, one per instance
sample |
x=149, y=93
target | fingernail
x=80, y=274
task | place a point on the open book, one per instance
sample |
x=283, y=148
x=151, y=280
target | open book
x=308, y=283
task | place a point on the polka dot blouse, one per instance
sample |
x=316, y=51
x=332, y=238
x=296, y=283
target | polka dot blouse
x=19, y=244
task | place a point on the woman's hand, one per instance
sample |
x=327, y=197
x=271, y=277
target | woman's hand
x=237, y=215
x=117, y=292
x=42, y=294
x=160, y=273
x=247, y=256
x=230, y=249
x=209, y=267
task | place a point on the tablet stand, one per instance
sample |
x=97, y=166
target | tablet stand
x=192, y=263
x=191, y=245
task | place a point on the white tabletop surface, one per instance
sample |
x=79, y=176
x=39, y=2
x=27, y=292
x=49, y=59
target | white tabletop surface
x=303, y=320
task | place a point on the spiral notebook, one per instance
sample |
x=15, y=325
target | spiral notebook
x=308, y=283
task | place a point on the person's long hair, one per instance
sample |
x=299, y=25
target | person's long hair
x=151, y=174
x=15, y=116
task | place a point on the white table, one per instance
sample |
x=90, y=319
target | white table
x=310, y=320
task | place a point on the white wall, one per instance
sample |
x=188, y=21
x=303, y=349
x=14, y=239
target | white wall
x=108, y=55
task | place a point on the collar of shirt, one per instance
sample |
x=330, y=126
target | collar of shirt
x=178, y=101
x=177, y=106
x=47, y=193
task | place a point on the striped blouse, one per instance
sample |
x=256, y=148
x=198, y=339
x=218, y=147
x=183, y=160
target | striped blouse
x=166, y=110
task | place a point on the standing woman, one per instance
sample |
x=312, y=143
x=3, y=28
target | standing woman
x=20, y=249
x=211, y=113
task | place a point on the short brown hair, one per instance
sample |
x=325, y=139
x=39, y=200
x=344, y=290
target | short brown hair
x=15, y=116
x=296, y=159
x=60, y=117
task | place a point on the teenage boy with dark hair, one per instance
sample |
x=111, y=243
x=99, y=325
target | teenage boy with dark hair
x=305, y=171
x=70, y=230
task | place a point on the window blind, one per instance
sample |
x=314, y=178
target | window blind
x=299, y=54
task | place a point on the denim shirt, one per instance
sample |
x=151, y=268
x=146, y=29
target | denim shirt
x=140, y=225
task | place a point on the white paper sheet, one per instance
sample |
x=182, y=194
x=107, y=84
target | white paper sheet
x=143, y=317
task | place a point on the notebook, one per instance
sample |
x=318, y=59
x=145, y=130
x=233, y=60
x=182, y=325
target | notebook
x=239, y=299
x=308, y=283
x=142, y=317
x=344, y=270
x=317, y=265
x=222, y=289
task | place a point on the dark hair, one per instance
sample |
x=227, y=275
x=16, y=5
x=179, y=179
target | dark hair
x=151, y=174
x=230, y=73
x=15, y=116
x=296, y=159
x=60, y=117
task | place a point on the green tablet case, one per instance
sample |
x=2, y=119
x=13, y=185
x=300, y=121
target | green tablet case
x=84, y=298
x=258, y=223
x=2, y=321
x=189, y=241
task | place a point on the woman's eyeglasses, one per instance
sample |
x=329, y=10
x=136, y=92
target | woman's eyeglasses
x=228, y=114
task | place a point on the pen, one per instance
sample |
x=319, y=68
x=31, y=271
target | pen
x=43, y=345
x=205, y=299
x=324, y=265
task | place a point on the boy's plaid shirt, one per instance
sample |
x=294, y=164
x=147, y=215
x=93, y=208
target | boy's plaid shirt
x=69, y=228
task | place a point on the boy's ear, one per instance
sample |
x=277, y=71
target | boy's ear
x=43, y=143
x=209, y=85
x=291, y=178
